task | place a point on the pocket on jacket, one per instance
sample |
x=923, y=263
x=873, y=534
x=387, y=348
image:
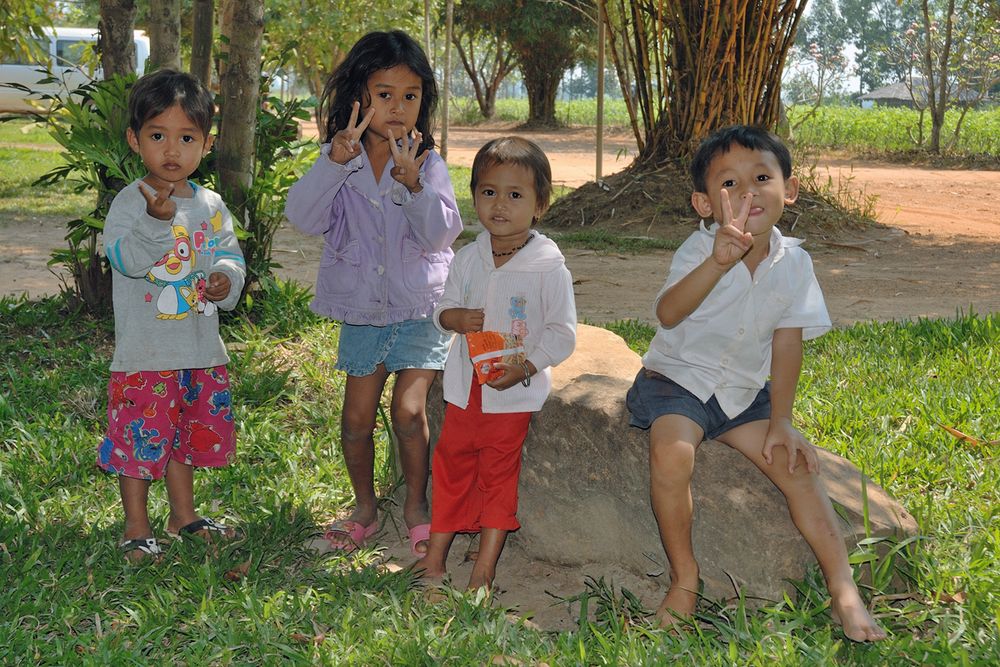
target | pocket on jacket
x=424, y=271
x=339, y=269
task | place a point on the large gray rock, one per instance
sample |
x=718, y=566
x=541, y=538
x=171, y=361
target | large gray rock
x=584, y=492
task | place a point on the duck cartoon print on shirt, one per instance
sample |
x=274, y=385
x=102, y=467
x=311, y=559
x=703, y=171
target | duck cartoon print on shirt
x=175, y=274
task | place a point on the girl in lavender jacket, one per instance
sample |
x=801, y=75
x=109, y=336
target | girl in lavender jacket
x=383, y=201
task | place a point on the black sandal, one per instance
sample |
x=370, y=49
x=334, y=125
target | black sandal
x=206, y=528
x=147, y=547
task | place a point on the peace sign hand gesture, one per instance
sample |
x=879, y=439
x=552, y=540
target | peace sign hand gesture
x=407, y=163
x=346, y=144
x=158, y=202
x=731, y=241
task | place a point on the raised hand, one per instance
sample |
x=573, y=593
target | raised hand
x=731, y=241
x=346, y=143
x=158, y=202
x=407, y=163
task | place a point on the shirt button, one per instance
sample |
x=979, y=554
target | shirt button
x=725, y=361
x=380, y=238
x=740, y=331
x=380, y=269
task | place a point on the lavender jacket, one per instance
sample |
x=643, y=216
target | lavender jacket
x=386, y=251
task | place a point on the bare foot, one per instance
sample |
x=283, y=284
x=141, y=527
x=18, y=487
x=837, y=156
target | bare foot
x=677, y=607
x=480, y=580
x=427, y=571
x=859, y=626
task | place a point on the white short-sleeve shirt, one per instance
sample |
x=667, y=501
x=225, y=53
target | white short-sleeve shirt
x=723, y=348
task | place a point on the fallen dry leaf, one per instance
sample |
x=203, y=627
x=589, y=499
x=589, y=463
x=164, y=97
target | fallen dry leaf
x=961, y=436
x=238, y=572
x=957, y=598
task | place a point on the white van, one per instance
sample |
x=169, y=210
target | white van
x=67, y=48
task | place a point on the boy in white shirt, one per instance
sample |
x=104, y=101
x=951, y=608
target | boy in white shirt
x=737, y=303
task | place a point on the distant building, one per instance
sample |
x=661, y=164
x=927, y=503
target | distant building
x=898, y=95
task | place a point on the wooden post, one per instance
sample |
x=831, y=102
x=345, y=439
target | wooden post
x=598, y=170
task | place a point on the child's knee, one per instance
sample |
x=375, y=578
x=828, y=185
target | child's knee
x=407, y=423
x=671, y=460
x=353, y=429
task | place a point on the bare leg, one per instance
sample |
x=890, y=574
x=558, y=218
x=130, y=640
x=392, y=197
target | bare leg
x=357, y=423
x=180, y=493
x=135, y=496
x=673, y=441
x=434, y=564
x=491, y=541
x=811, y=511
x=409, y=423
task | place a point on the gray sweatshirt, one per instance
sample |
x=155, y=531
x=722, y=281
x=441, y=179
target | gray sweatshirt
x=160, y=269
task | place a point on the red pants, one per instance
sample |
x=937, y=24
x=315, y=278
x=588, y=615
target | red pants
x=477, y=462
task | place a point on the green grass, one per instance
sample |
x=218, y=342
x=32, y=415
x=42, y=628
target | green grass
x=23, y=131
x=875, y=393
x=893, y=130
x=20, y=200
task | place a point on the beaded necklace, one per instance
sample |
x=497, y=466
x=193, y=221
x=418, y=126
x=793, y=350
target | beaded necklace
x=512, y=250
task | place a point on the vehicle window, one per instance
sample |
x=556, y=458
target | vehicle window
x=71, y=52
x=38, y=55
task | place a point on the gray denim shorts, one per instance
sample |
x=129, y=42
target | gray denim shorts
x=409, y=344
x=653, y=395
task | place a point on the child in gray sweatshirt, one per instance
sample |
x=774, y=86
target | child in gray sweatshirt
x=176, y=262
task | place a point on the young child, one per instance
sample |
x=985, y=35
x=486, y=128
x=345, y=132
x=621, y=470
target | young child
x=384, y=204
x=175, y=262
x=738, y=301
x=514, y=281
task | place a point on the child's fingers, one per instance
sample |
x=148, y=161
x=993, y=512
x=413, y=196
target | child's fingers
x=163, y=195
x=148, y=192
x=793, y=458
x=360, y=129
x=415, y=144
x=768, y=452
x=355, y=109
x=421, y=159
x=727, y=207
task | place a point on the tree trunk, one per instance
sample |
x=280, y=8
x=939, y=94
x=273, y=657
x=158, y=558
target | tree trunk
x=165, y=34
x=116, y=44
x=449, y=30
x=542, y=84
x=202, y=31
x=240, y=92
x=688, y=67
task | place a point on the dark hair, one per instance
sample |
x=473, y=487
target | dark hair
x=520, y=152
x=747, y=136
x=349, y=82
x=155, y=93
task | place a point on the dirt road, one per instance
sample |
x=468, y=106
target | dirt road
x=939, y=253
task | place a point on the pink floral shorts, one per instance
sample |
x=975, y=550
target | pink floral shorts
x=156, y=416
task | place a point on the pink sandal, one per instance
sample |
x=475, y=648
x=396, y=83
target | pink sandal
x=419, y=533
x=346, y=536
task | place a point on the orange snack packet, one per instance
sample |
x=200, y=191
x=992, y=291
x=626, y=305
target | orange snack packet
x=486, y=348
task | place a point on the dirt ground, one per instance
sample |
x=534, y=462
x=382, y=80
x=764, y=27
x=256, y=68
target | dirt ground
x=935, y=254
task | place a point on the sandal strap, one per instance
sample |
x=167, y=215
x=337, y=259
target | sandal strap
x=147, y=545
x=210, y=525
